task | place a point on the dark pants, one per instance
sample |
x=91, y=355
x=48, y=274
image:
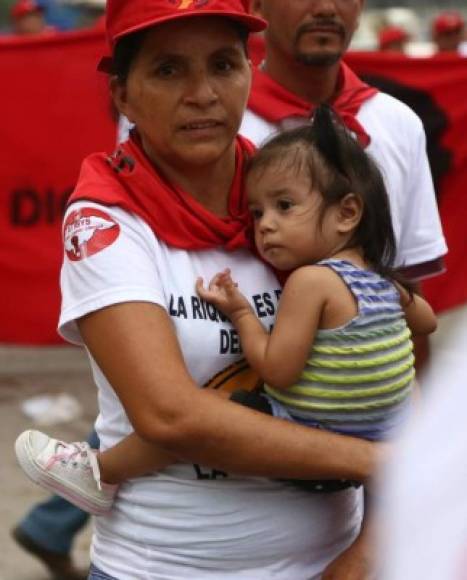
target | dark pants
x=96, y=574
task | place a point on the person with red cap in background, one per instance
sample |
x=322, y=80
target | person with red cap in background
x=392, y=39
x=27, y=18
x=167, y=207
x=447, y=31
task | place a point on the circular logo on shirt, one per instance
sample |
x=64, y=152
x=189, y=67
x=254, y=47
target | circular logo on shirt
x=88, y=231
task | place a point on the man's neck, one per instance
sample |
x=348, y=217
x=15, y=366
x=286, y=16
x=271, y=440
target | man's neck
x=316, y=84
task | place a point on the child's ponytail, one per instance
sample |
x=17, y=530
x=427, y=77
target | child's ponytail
x=338, y=165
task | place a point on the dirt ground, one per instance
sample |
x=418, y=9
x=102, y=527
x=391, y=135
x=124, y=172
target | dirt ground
x=28, y=372
x=25, y=373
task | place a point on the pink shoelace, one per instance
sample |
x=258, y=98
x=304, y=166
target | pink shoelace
x=76, y=454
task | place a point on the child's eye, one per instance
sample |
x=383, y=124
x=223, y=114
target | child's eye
x=256, y=214
x=284, y=204
x=223, y=65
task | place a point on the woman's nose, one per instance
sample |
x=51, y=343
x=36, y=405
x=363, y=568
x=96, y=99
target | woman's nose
x=200, y=91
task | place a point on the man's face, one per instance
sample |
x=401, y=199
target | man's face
x=32, y=23
x=449, y=41
x=314, y=32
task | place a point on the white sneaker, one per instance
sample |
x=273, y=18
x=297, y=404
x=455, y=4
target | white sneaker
x=70, y=470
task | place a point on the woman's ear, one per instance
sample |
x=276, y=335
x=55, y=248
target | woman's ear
x=350, y=213
x=118, y=91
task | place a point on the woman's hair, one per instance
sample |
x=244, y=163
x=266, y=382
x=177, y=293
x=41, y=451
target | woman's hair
x=128, y=47
x=338, y=165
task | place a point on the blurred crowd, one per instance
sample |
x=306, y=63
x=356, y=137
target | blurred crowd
x=32, y=17
x=394, y=30
x=447, y=34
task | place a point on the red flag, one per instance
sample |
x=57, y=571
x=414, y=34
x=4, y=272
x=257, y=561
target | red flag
x=436, y=88
x=55, y=111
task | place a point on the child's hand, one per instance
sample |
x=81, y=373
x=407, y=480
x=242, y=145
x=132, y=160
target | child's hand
x=224, y=294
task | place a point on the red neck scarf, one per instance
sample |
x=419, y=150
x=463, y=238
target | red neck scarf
x=129, y=180
x=275, y=103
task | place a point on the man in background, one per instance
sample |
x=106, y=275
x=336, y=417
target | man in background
x=305, y=43
x=27, y=18
x=392, y=39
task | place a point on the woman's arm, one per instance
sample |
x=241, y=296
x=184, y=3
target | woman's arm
x=135, y=346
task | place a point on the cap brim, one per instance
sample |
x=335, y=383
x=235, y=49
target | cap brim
x=252, y=23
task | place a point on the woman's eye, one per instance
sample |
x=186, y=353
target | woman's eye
x=166, y=70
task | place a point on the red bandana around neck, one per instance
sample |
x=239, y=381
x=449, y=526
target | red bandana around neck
x=128, y=179
x=275, y=103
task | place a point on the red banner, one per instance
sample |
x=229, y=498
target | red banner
x=436, y=88
x=55, y=111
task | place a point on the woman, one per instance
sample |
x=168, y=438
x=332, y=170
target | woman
x=142, y=226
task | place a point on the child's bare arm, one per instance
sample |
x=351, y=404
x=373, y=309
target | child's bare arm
x=278, y=357
x=419, y=315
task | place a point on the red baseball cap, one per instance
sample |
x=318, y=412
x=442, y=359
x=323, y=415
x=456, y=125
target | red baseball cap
x=126, y=16
x=390, y=34
x=24, y=7
x=448, y=22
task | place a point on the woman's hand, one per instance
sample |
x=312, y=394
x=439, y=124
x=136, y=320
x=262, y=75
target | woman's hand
x=224, y=294
x=355, y=563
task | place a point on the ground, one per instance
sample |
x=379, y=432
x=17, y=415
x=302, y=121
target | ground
x=24, y=373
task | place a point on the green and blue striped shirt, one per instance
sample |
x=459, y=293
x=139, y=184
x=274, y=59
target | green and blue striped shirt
x=358, y=377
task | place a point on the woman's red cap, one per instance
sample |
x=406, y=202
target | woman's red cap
x=126, y=16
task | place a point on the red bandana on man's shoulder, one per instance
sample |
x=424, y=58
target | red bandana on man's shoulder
x=129, y=180
x=273, y=102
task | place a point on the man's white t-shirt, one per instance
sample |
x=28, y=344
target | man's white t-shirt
x=398, y=145
x=191, y=521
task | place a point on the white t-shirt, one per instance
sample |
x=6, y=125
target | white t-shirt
x=398, y=145
x=189, y=521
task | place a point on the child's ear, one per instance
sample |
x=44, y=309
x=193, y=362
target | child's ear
x=350, y=213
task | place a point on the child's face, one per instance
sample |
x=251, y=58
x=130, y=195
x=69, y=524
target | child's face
x=286, y=215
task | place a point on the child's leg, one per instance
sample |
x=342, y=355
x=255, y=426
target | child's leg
x=131, y=457
x=80, y=474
